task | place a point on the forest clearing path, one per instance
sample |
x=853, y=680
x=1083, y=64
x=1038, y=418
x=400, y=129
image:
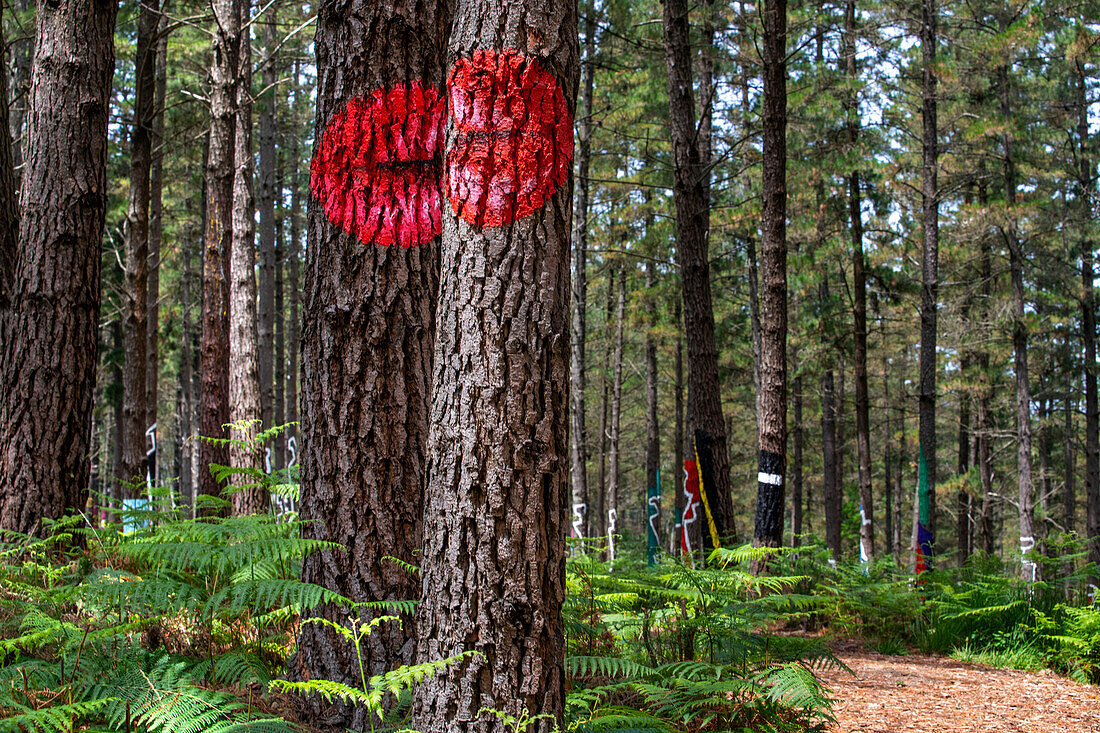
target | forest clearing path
x=932, y=694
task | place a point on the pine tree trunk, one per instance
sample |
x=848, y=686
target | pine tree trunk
x=605, y=405
x=187, y=442
x=156, y=238
x=678, y=431
x=985, y=396
x=368, y=332
x=831, y=483
x=293, y=255
x=962, y=505
x=1088, y=329
x=1069, y=498
x=265, y=202
x=692, y=222
x=136, y=311
x=926, y=461
x=652, y=426
x=19, y=95
x=796, y=453
x=495, y=524
x=1019, y=344
x=217, y=242
x=49, y=330
x=613, y=467
x=888, y=434
x=772, y=415
x=9, y=193
x=244, y=376
x=578, y=435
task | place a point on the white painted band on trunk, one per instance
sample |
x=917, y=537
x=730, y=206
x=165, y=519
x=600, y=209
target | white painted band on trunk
x=769, y=478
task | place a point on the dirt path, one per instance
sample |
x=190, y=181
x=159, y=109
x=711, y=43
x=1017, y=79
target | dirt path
x=924, y=694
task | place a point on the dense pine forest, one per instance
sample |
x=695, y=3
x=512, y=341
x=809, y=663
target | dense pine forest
x=538, y=366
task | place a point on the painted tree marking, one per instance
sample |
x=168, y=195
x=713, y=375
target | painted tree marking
x=377, y=166
x=513, y=142
x=691, y=508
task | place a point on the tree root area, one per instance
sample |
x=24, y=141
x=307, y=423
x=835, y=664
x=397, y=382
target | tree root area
x=931, y=694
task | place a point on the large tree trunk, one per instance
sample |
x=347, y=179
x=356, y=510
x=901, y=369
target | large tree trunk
x=136, y=310
x=578, y=434
x=1026, y=502
x=495, y=524
x=49, y=330
x=368, y=334
x=772, y=401
x=217, y=242
x=930, y=225
x=249, y=497
x=267, y=185
x=859, y=300
x=692, y=222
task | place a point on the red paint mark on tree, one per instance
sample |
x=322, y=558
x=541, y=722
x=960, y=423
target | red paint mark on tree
x=514, y=138
x=376, y=168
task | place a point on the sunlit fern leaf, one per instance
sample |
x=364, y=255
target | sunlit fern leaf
x=615, y=667
x=794, y=686
x=52, y=719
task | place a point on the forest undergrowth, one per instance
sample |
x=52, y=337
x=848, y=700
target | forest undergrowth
x=187, y=625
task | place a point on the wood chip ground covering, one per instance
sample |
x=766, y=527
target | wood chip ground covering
x=931, y=694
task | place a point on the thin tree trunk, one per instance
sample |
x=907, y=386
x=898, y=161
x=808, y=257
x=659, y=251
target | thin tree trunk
x=926, y=461
x=652, y=424
x=692, y=223
x=496, y=495
x=1069, y=499
x=293, y=255
x=796, y=452
x=20, y=95
x=1041, y=528
x=9, y=192
x=187, y=442
x=217, y=242
x=772, y=415
x=605, y=404
x=368, y=335
x=678, y=429
x=49, y=329
x=891, y=548
x=962, y=505
x=579, y=438
x=613, y=467
x=278, y=451
x=265, y=202
x=156, y=237
x=985, y=396
x=136, y=310
x=1019, y=343
x=859, y=300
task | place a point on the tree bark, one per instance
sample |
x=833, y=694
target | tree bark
x=1029, y=571
x=692, y=223
x=962, y=503
x=652, y=424
x=579, y=438
x=888, y=434
x=495, y=524
x=249, y=497
x=265, y=201
x=49, y=331
x=9, y=193
x=156, y=238
x=293, y=256
x=985, y=395
x=930, y=215
x=368, y=332
x=605, y=405
x=217, y=242
x=187, y=441
x=678, y=429
x=772, y=416
x=136, y=311
x=1069, y=499
x=613, y=466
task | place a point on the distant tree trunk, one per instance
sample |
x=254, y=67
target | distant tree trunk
x=605, y=404
x=187, y=441
x=891, y=548
x=772, y=416
x=1041, y=528
x=1069, y=499
x=368, y=335
x=962, y=506
x=796, y=452
x=156, y=237
x=579, y=439
x=49, y=328
x=116, y=424
x=831, y=484
x=1019, y=341
x=136, y=310
x=278, y=417
x=9, y=195
x=985, y=395
x=613, y=467
x=678, y=430
x=1088, y=329
x=266, y=205
x=926, y=461
x=244, y=375
x=692, y=217
x=217, y=241
x=652, y=424
x=495, y=524
x=19, y=95
x=859, y=300
x=293, y=256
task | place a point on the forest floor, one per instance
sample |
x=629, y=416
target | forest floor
x=932, y=694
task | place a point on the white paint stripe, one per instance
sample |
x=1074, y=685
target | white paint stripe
x=769, y=478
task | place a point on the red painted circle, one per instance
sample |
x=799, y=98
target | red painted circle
x=513, y=138
x=376, y=168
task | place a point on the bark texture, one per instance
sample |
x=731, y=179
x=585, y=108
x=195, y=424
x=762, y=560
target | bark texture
x=48, y=332
x=249, y=496
x=266, y=185
x=692, y=222
x=772, y=400
x=217, y=242
x=368, y=334
x=495, y=520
